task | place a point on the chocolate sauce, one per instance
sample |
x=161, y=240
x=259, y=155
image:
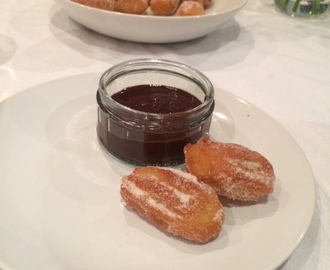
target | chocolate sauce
x=143, y=146
x=156, y=99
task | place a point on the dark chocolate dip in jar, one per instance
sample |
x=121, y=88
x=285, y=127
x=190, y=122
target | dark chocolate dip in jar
x=149, y=109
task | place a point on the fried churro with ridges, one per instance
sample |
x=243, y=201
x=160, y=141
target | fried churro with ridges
x=233, y=170
x=175, y=202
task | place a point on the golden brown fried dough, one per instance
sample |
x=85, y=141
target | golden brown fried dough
x=232, y=170
x=190, y=8
x=163, y=7
x=174, y=201
x=132, y=6
x=205, y=3
x=101, y=4
x=150, y=7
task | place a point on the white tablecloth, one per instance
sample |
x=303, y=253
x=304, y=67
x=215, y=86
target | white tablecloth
x=278, y=63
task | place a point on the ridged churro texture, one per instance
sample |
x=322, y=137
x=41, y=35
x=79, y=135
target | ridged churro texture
x=232, y=170
x=175, y=202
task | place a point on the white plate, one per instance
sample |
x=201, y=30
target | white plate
x=152, y=29
x=60, y=206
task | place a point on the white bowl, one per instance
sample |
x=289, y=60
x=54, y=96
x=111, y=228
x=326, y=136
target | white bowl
x=152, y=29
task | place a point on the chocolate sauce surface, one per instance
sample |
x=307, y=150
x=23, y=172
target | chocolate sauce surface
x=140, y=146
x=156, y=99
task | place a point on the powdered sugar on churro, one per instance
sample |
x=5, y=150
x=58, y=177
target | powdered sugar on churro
x=174, y=201
x=161, y=207
x=231, y=169
x=137, y=192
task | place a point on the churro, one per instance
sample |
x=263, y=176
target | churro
x=233, y=170
x=175, y=202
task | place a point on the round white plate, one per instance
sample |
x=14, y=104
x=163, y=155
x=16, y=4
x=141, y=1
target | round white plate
x=60, y=206
x=152, y=29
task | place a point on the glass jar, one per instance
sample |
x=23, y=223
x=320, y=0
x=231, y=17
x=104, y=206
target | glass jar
x=302, y=8
x=143, y=138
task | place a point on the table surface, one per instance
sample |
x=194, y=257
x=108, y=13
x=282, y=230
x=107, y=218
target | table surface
x=278, y=63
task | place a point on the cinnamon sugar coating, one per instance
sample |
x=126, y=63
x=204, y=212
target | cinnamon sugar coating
x=190, y=8
x=163, y=7
x=132, y=6
x=233, y=170
x=204, y=3
x=101, y=4
x=175, y=202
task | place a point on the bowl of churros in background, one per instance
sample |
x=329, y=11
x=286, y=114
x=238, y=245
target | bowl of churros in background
x=152, y=21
